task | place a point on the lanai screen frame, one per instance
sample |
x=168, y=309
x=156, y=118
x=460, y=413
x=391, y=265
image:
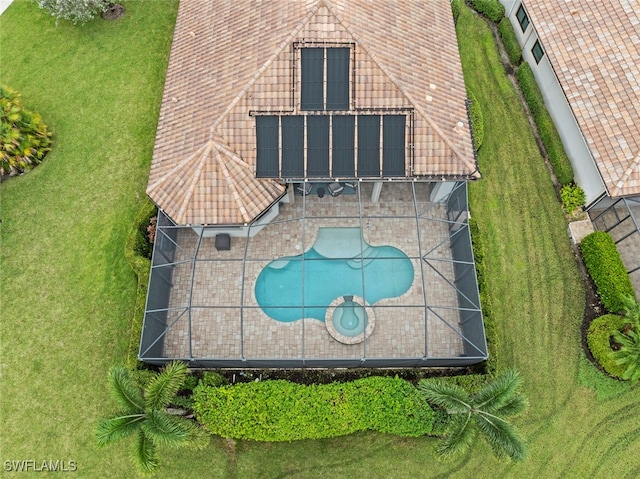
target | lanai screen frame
x=464, y=282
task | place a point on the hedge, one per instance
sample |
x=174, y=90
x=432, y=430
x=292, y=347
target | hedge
x=492, y=9
x=284, y=411
x=598, y=339
x=603, y=262
x=510, y=41
x=546, y=128
x=477, y=120
x=456, y=7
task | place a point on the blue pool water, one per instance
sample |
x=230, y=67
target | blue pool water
x=387, y=273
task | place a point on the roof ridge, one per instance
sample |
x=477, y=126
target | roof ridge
x=230, y=182
x=626, y=175
x=285, y=43
x=195, y=179
x=178, y=165
x=392, y=79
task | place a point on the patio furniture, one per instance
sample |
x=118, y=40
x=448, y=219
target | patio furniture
x=304, y=188
x=321, y=192
x=351, y=184
x=335, y=188
x=223, y=242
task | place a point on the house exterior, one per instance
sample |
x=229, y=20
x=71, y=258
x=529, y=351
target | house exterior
x=285, y=122
x=585, y=59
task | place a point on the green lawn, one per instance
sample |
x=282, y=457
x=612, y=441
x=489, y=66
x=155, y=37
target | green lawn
x=67, y=294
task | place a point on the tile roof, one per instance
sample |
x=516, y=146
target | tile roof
x=594, y=47
x=230, y=58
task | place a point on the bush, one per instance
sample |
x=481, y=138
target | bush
x=78, y=11
x=456, y=7
x=284, y=411
x=477, y=120
x=213, y=379
x=573, y=197
x=599, y=340
x=24, y=137
x=146, y=234
x=546, y=128
x=510, y=41
x=605, y=267
x=492, y=9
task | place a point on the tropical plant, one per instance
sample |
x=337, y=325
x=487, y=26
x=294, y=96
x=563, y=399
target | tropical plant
x=483, y=411
x=628, y=356
x=573, y=197
x=24, y=138
x=78, y=11
x=145, y=412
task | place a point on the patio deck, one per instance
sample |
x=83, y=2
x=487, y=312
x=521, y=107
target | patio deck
x=225, y=320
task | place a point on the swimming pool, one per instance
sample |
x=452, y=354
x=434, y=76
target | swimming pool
x=303, y=286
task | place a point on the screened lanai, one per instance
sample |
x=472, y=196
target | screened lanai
x=380, y=275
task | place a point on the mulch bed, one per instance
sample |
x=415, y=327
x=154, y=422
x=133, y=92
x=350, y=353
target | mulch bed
x=113, y=11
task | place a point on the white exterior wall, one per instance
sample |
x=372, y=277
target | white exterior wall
x=585, y=171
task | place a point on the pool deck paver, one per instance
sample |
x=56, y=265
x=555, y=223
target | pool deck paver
x=217, y=330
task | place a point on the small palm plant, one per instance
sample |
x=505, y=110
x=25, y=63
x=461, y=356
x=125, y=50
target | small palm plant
x=483, y=411
x=628, y=356
x=144, y=412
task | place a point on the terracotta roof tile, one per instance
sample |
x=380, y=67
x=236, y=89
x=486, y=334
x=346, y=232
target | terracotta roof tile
x=230, y=58
x=594, y=47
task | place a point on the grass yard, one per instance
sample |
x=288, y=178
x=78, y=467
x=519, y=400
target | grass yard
x=67, y=293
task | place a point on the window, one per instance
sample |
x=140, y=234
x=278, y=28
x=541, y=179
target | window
x=325, y=78
x=537, y=51
x=523, y=18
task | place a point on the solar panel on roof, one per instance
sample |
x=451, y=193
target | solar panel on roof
x=338, y=78
x=318, y=146
x=368, y=145
x=343, y=146
x=312, y=94
x=292, y=146
x=267, y=145
x=393, y=152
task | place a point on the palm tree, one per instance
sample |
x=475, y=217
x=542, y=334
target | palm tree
x=144, y=412
x=483, y=411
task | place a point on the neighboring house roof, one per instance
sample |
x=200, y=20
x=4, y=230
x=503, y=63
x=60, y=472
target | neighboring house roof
x=594, y=47
x=229, y=58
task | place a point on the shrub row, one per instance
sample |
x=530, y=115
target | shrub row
x=492, y=9
x=485, y=300
x=141, y=267
x=284, y=411
x=598, y=338
x=546, y=128
x=603, y=262
x=510, y=41
x=477, y=120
